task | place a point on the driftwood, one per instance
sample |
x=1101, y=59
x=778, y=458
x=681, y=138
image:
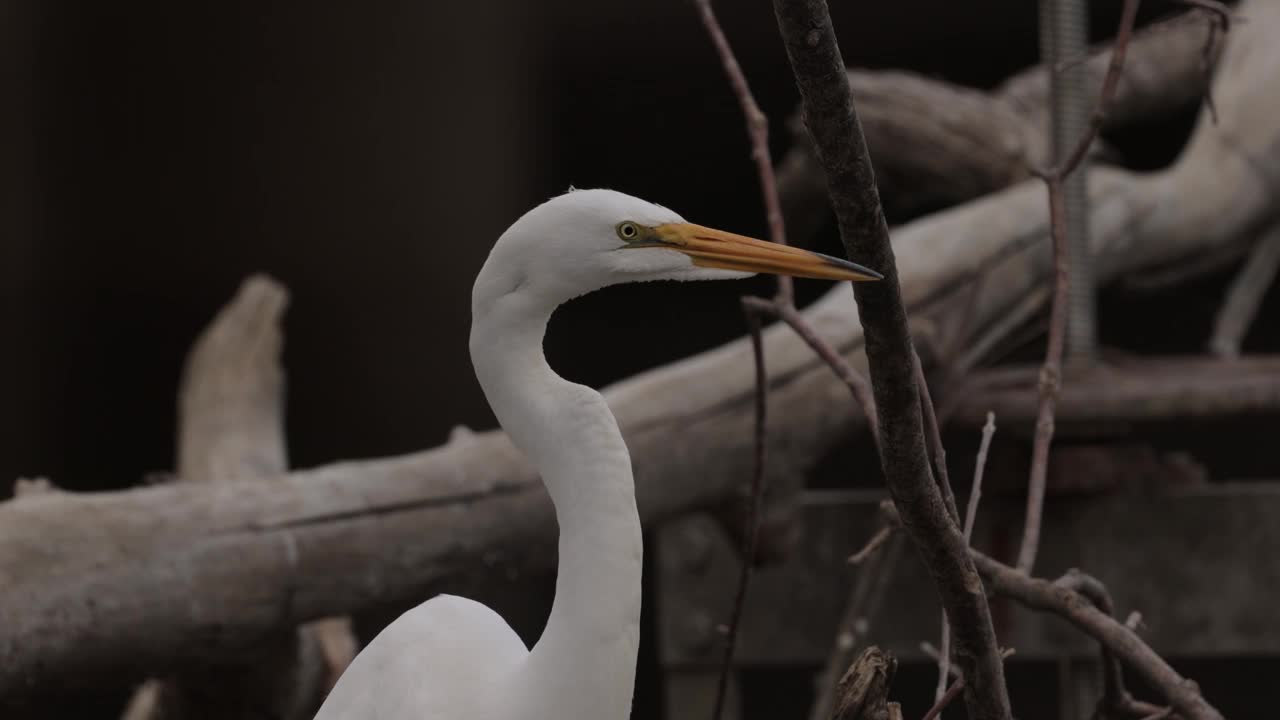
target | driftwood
x=210, y=569
x=231, y=426
x=1061, y=598
x=987, y=141
x=1110, y=398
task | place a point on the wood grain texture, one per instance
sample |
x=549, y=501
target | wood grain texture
x=231, y=426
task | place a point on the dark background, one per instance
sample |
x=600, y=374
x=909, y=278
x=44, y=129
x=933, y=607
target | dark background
x=367, y=155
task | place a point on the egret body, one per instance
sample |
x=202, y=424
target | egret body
x=454, y=659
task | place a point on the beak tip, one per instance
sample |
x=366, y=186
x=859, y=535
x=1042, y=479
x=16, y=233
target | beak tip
x=863, y=273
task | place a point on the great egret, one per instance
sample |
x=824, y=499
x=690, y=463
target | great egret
x=454, y=659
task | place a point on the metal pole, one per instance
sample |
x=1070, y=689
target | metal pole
x=1064, y=38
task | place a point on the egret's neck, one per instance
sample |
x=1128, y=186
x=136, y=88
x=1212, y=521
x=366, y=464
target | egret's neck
x=572, y=438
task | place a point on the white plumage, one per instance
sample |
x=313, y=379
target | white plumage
x=454, y=659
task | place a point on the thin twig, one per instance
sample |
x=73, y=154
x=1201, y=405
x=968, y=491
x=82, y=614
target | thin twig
x=1060, y=599
x=757, y=130
x=753, y=508
x=944, y=699
x=1051, y=372
x=933, y=435
x=960, y=337
x=781, y=306
x=982, y=349
x=1113, y=691
x=931, y=651
x=874, y=544
x=1050, y=383
x=857, y=384
x=1116, y=701
x=970, y=517
x=1128, y=16
x=980, y=467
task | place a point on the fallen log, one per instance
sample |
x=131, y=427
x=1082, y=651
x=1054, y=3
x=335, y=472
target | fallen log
x=1096, y=399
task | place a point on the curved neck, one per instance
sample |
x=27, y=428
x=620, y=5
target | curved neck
x=569, y=434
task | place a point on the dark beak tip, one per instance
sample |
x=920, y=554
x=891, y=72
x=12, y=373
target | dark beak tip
x=867, y=273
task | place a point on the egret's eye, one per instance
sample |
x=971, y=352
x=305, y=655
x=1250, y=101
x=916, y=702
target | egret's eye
x=628, y=231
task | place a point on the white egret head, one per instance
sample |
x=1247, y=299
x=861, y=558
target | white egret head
x=588, y=239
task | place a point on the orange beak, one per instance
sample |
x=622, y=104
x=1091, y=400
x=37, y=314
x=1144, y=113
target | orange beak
x=719, y=249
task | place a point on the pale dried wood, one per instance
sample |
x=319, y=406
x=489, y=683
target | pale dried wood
x=1245, y=295
x=986, y=141
x=1111, y=398
x=231, y=427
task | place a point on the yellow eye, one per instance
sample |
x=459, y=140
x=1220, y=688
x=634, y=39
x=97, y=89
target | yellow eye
x=628, y=231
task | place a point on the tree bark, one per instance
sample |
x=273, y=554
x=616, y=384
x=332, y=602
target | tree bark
x=832, y=121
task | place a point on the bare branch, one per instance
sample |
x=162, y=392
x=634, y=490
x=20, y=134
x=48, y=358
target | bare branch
x=1183, y=694
x=1115, y=699
x=980, y=465
x=1050, y=374
x=1050, y=381
x=873, y=545
x=757, y=131
x=944, y=699
x=933, y=436
x=841, y=149
x=852, y=379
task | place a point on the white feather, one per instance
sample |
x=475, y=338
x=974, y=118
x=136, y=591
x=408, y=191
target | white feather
x=454, y=659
